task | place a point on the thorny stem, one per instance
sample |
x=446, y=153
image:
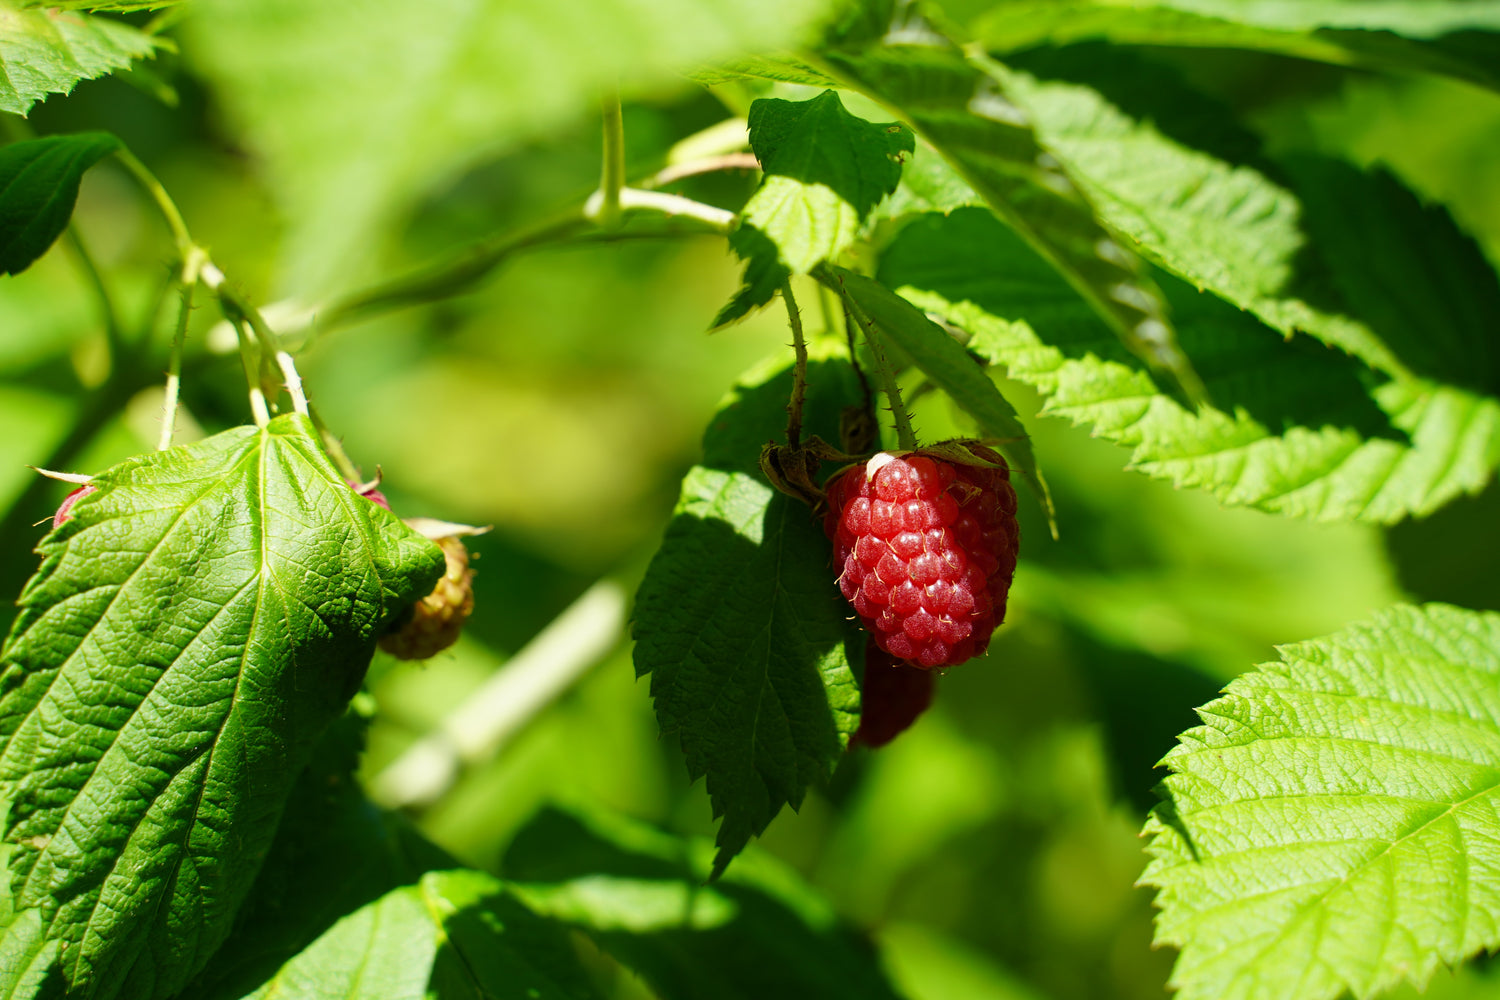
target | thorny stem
x=250, y=358
x=799, y=372
x=885, y=377
x=164, y=202
x=612, y=180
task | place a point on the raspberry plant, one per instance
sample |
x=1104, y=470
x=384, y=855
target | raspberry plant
x=1165, y=221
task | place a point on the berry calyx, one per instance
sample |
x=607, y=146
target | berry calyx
x=925, y=544
x=891, y=698
x=65, y=509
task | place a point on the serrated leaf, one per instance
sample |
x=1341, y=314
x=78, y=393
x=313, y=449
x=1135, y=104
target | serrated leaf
x=194, y=627
x=1297, y=429
x=1416, y=18
x=951, y=369
x=114, y=5
x=48, y=51
x=758, y=932
x=1017, y=25
x=1223, y=226
x=738, y=620
x=778, y=68
x=824, y=171
x=39, y=181
x=1332, y=824
x=455, y=935
x=459, y=80
x=962, y=105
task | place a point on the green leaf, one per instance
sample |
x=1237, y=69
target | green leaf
x=1416, y=18
x=1223, y=226
x=48, y=51
x=38, y=186
x=115, y=5
x=962, y=105
x=1017, y=25
x=459, y=81
x=334, y=852
x=738, y=620
x=779, y=68
x=455, y=935
x=759, y=931
x=28, y=961
x=194, y=627
x=1296, y=428
x=951, y=369
x=824, y=171
x=1332, y=824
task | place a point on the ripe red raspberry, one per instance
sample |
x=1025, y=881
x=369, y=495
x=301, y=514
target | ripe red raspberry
x=892, y=696
x=925, y=544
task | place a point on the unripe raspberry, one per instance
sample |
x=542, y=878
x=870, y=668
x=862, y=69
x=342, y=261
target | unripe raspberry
x=892, y=696
x=925, y=544
x=437, y=618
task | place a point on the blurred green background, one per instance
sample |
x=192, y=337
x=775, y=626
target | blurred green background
x=992, y=850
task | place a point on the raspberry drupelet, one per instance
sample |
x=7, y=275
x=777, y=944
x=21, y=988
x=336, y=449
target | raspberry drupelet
x=925, y=546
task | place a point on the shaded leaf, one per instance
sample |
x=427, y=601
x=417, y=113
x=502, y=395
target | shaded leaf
x=738, y=620
x=758, y=931
x=1332, y=824
x=48, y=51
x=1415, y=18
x=194, y=627
x=1296, y=428
x=39, y=181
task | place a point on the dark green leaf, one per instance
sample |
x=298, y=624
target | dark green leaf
x=1296, y=428
x=193, y=628
x=738, y=620
x=38, y=185
x=48, y=51
x=1332, y=826
x=963, y=106
x=951, y=369
x=1414, y=18
x=639, y=893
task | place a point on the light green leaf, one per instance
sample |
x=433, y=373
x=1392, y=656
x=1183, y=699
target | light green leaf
x=1223, y=226
x=1332, y=825
x=962, y=105
x=1017, y=25
x=39, y=181
x=639, y=893
x=28, y=961
x=738, y=620
x=115, y=5
x=194, y=627
x=1296, y=428
x=456, y=80
x=780, y=68
x=48, y=51
x=951, y=369
x=1416, y=18
x=455, y=935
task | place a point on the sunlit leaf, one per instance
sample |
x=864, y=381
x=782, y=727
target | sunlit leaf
x=1296, y=428
x=48, y=51
x=1332, y=824
x=195, y=625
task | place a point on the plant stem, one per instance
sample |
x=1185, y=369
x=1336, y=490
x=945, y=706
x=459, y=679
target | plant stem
x=334, y=447
x=612, y=181
x=254, y=364
x=708, y=165
x=885, y=376
x=799, y=370
x=164, y=202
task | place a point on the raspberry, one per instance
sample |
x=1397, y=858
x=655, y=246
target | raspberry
x=437, y=618
x=891, y=698
x=925, y=543
x=65, y=510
